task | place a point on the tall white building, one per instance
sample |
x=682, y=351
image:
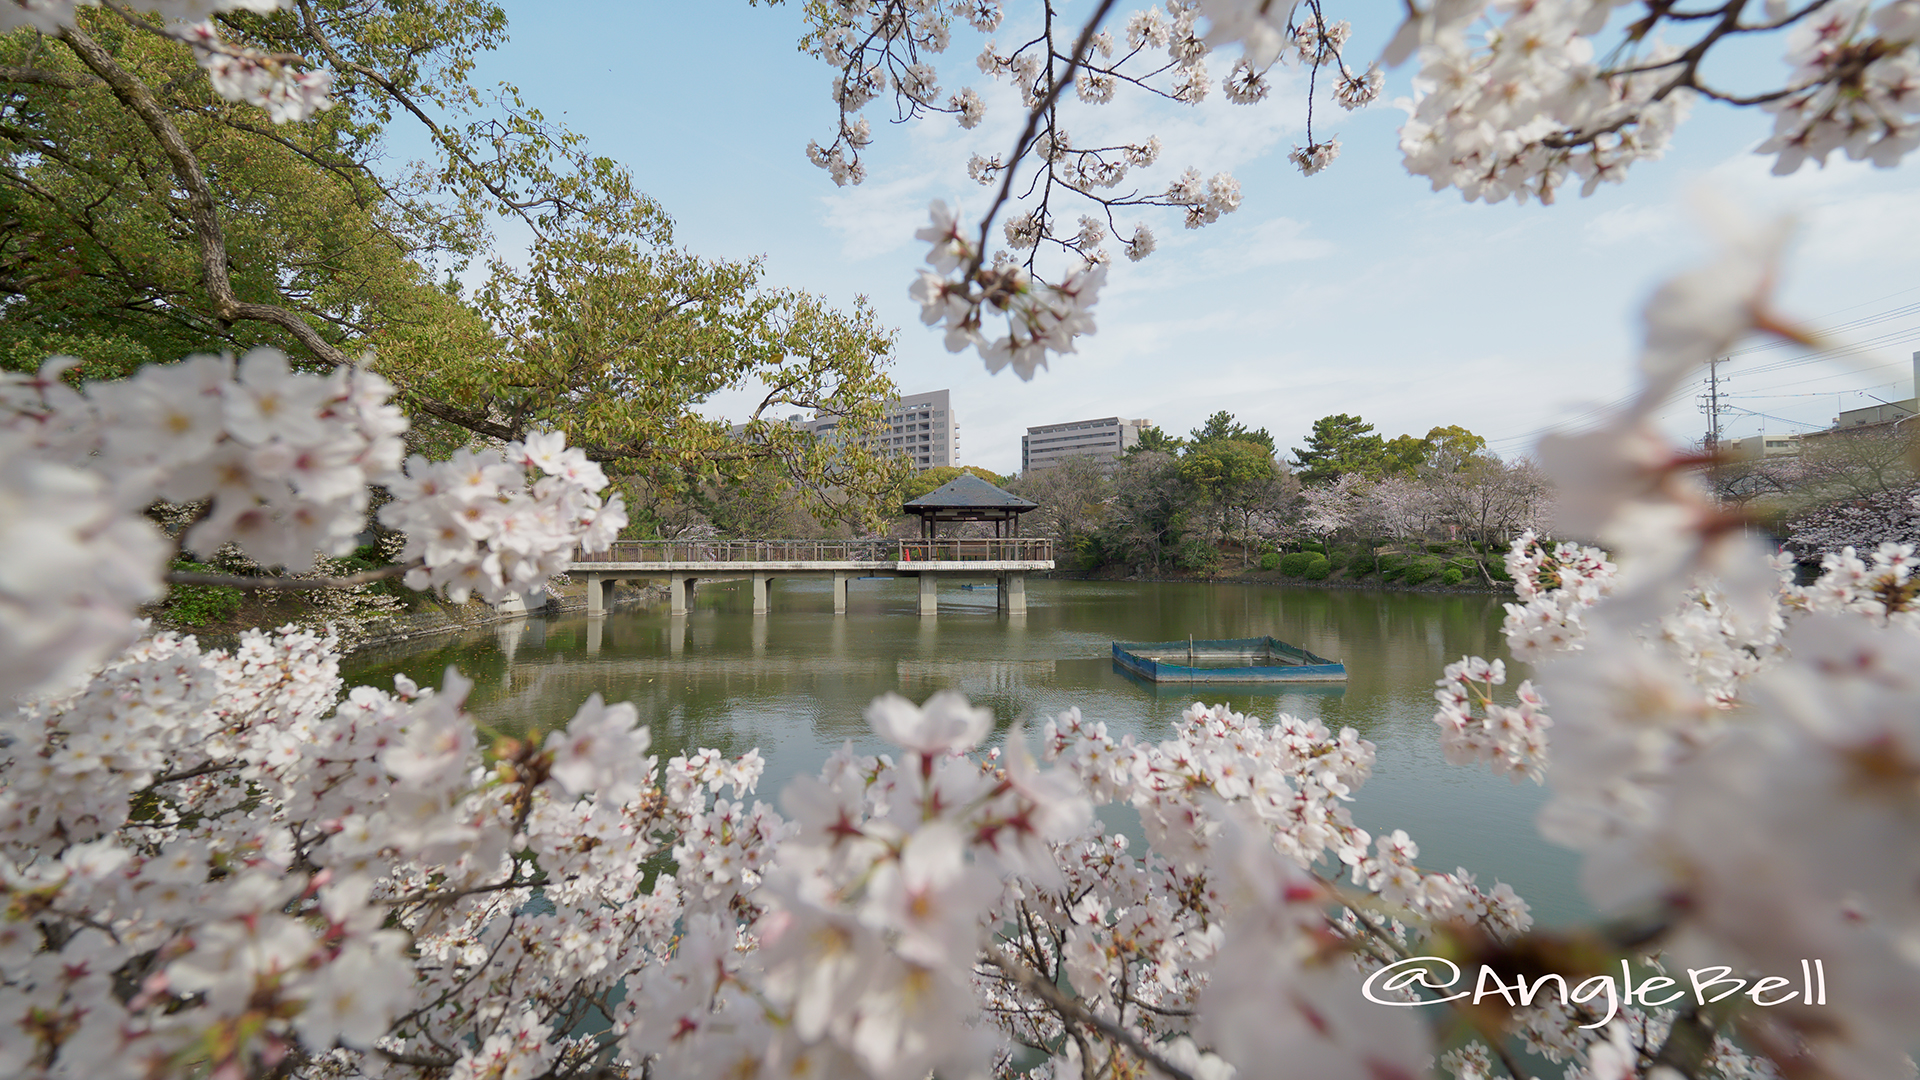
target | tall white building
x=920, y=427
x=1046, y=446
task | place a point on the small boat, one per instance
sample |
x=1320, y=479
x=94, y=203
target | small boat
x=986, y=585
x=1230, y=660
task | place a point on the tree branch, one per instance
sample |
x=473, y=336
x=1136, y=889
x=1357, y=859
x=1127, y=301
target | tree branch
x=1073, y=1010
x=20, y=73
x=202, y=209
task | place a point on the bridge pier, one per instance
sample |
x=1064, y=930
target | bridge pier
x=1013, y=594
x=599, y=595
x=679, y=593
x=929, y=598
x=761, y=581
x=840, y=592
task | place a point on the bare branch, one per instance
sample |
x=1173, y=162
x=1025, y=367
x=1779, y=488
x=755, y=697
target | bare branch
x=1073, y=1010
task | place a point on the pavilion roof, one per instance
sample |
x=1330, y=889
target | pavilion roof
x=968, y=492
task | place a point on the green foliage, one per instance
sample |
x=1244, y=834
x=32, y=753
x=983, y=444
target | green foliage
x=200, y=605
x=1451, y=448
x=1423, y=569
x=1338, y=445
x=1198, y=556
x=1393, y=564
x=1222, y=427
x=1089, y=553
x=1403, y=455
x=1270, y=561
x=334, y=245
x=1155, y=441
x=1439, y=549
x=1314, y=546
x=1363, y=563
x=927, y=481
x=1452, y=576
x=619, y=340
x=1318, y=569
x=1226, y=469
x=1295, y=564
x=1465, y=564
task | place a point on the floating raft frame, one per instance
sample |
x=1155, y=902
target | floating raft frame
x=1263, y=660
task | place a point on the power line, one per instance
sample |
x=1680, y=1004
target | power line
x=1595, y=413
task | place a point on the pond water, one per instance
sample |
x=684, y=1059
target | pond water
x=795, y=684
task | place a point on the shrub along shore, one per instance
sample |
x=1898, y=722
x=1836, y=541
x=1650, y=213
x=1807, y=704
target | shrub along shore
x=1457, y=565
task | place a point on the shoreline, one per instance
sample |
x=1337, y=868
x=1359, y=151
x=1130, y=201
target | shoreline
x=1274, y=577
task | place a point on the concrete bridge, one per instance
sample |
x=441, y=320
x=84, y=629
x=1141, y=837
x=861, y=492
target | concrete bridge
x=682, y=564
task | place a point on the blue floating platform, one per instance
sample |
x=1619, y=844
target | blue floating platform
x=1228, y=660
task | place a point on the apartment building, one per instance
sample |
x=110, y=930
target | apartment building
x=922, y=428
x=1050, y=444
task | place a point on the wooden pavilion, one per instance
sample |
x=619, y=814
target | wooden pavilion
x=969, y=498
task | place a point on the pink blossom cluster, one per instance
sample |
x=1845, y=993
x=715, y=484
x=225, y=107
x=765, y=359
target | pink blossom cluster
x=1863, y=523
x=237, y=74
x=1856, y=86
x=284, y=457
x=254, y=77
x=274, y=870
x=1881, y=587
x=280, y=461
x=479, y=525
x=1041, y=317
x=1555, y=586
x=1528, y=107
x=1719, y=760
x=885, y=45
x=1511, y=738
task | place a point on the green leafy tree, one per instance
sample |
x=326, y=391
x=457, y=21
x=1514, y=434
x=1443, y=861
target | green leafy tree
x=1338, y=445
x=148, y=218
x=1227, y=475
x=1147, y=511
x=1221, y=426
x=930, y=480
x=1453, y=447
x=1154, y=441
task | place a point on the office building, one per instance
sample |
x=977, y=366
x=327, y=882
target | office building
x=1049, y=445
x=920, y=427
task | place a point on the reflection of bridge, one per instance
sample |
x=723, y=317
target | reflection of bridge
x=683, y=563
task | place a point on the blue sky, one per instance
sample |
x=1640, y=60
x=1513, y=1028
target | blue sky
x=1358, y=290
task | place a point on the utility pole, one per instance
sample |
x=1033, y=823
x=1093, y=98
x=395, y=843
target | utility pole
x=1711, y=405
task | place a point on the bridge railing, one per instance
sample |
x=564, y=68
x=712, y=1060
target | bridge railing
x=943, y=549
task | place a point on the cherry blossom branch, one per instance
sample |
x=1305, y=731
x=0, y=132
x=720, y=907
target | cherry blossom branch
x=1021, y=145
x=1071, y=1008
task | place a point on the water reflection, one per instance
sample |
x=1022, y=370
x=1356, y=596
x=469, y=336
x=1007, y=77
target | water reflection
x=796, y=683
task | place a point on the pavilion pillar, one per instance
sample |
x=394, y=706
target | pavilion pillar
x=929, y=598
x=1013, y=593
